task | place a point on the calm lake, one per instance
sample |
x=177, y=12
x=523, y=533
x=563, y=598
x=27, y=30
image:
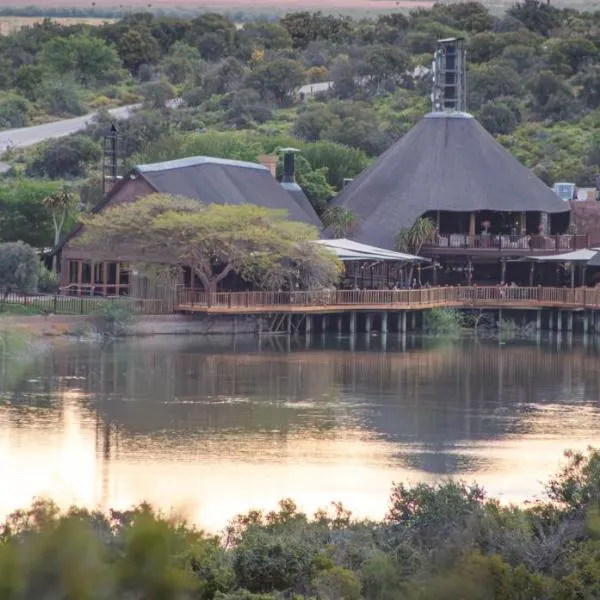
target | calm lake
x=214, y=427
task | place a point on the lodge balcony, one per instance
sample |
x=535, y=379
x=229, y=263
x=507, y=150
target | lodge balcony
x=490, y=244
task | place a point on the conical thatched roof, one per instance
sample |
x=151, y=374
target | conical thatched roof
x=446, y=162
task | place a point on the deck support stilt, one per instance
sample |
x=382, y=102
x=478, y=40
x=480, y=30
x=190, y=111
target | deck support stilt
x=324, y=324
x=538, y=320
x=260, y=326
x=413, y=320
x=289, y=325
x=559, y=321
x=308, y=326
x=570, y=321
x=368, y=323
x=402, y=322
x=352, y=326
x=586, y=322
x=384, y=322
x=340, y=324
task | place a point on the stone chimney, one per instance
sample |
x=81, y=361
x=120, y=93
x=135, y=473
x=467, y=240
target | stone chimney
x=270, y=162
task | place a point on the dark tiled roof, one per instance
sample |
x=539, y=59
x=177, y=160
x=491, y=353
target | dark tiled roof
x=220, y=181
x=297, y=193
x=446, y=162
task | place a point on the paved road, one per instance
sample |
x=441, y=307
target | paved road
x=27, y=136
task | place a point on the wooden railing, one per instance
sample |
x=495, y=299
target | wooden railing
x=457, y=297
x=492, y=241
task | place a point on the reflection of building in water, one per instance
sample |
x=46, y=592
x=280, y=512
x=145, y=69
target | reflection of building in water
x=167, y=421
x=461, y=392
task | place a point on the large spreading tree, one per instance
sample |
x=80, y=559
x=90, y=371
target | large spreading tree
x=260, y=245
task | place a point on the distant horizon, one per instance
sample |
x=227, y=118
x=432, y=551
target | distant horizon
x=228, y=4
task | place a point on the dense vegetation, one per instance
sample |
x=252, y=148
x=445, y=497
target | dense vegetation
x=446, y=542
x=534, y=82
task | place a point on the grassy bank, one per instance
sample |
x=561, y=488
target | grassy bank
x=446, y=541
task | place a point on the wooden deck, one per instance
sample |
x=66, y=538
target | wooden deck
x=341, y=301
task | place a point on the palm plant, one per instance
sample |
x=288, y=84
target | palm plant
x=411, y=240
x=59, y=205
x=339, y=221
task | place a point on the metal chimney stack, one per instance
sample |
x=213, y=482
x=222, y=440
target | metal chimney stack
x=110, y=167
x=450, y=76
x=289, y=166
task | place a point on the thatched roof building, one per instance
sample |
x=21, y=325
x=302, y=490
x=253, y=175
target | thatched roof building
x=447, y=162
x=222, y=181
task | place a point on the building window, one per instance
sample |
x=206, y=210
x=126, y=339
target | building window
x=86, y=273
x=98, y=272
x=73, y=271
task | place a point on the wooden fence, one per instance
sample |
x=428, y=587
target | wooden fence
x=451, y=297
x=88, y=305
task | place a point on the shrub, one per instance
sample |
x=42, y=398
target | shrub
x=19, y=268
x=440, y=320
x=114, y=317
x=61, y=97
x=47, y=280
x=14, y=112
x=64, y=157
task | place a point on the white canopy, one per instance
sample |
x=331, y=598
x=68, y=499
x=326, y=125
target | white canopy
x=348, y=250
x=582, y=255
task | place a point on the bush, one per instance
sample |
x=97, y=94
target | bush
x=61, y=97
x=156, y=94
x=47, y=281
x=65, y=157
x=114, y=317
x=19, y=268
x=14, y=112
x=439, y=320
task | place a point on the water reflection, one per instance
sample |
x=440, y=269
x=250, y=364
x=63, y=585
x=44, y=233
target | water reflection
x=216, y=428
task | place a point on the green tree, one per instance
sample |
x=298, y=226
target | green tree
x=213, y=35
x=497, y=118
x=386, y=63
x=23, y=215
x=136, y=47
x=262, y=35
x=589, y=81
x=260, y=245
x=536, y=15
x=490, y=81
x=567, y=56
x=338, y=584
x=19, y=267
x=28, y=81
x=64, y=157
x=59, y=205
x=277, y=80
x=552, y=97
x=88, y=59
x=342, y=162
x=312, y=120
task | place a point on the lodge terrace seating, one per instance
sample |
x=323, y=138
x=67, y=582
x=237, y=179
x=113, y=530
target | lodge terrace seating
x=504, y=241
